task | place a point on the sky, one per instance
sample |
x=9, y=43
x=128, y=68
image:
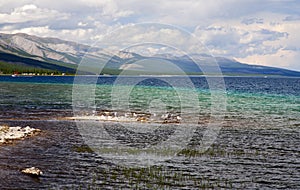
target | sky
x=265, y=32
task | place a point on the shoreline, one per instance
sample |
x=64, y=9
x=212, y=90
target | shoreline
x=20, y=75
x=159, y=76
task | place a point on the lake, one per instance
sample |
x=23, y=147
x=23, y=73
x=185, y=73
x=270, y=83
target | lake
x=257, y=146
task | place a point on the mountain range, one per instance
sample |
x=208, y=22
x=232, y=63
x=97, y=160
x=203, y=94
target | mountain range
x=22, y=52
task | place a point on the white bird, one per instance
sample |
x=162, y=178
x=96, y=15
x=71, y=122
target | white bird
x=166, y=116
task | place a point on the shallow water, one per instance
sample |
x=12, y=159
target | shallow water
x=258, y=146
x=242, y=158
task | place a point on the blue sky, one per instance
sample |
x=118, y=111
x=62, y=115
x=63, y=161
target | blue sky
x=250, y=31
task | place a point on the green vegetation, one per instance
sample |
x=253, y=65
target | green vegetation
x=155, y=177
x=16, y=64
x=217, y=152
x=82, y=149
x=9, y=68
x=164, y=177
x=110, y=71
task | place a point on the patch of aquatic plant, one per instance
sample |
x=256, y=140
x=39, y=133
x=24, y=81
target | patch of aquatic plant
x=82, y=149
x=217, y=152
x=134, y=151
x=155, y=177
x=162, y=177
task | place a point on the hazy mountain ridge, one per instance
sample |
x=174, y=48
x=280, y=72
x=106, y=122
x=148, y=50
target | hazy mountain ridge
x=57, y=54
x=43, y=48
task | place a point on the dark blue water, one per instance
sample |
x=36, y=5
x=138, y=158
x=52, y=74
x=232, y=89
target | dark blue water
x=258, y=146
x=270, y=85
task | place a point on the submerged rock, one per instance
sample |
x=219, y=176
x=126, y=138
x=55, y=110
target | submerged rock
x=33, y=171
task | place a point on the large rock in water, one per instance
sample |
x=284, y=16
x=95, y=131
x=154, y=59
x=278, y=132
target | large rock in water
x=33, y=171
x=8, y=134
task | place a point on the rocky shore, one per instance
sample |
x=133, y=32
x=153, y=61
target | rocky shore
x=129, y=117
x=9, y=134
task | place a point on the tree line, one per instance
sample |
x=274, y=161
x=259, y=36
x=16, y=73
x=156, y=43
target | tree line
x=9, y=68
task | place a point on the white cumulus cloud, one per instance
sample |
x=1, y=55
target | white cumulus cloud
x=30, y=12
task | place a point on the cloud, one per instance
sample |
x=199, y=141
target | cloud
x=153, y=38
x=292, y=18
x=82, y=35
x=264, y=38
x=281, y=58
x=31, y=12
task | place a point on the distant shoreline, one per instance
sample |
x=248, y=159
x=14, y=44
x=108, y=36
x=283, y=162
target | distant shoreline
x=37, y=75
x=259, y=76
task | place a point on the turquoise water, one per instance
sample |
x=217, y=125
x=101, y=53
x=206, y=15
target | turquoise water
x=258, y=146
x=253, y=101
